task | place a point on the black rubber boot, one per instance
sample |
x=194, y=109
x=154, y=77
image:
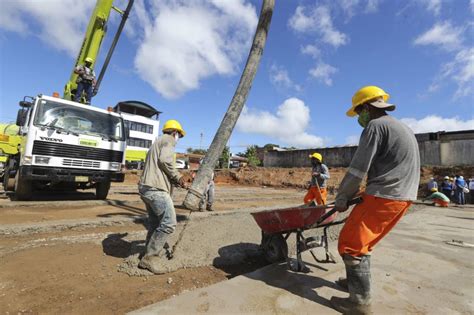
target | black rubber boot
x=342, y=282
x=358, y=280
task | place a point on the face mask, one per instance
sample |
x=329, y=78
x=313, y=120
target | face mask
x=176, y=137
x=364, y=118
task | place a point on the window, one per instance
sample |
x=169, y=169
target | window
x=140, y=127
x=142, y=143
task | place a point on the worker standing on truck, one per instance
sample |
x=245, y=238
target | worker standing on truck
x=85, y=80
x=388, y=154
x=159, y=174
x=319, y=175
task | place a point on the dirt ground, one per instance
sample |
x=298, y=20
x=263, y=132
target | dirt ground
x=70, y=253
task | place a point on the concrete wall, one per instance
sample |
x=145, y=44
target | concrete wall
x=332, y=157
x=436, y=149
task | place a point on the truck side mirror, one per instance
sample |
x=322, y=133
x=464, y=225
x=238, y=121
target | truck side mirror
x=21, y=117
x=127, y=132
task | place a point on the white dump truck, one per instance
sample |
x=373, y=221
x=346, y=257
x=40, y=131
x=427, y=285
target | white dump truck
x=66, y=146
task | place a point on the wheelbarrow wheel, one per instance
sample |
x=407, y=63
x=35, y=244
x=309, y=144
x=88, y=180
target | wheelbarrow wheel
x=275, y=248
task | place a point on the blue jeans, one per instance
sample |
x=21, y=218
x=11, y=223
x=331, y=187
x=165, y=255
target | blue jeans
x=160, y=208
x=459, y=193
x=83, y=86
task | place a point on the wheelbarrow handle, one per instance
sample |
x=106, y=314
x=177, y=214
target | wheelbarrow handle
x=331, y=212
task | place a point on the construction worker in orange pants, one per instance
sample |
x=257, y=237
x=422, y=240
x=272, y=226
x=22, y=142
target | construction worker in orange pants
x=388, y=154
x=319, y=175
x=438, y=198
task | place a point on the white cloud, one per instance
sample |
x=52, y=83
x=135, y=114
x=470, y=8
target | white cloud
x=433, y=6
x=59, y=23
x=317, y=20
x=187, y=41
x=280, y=78
x=323, y=72
x=312, y=50
x=435, y=123
x=287, y=125
x=352, y=140
x=442, y=34
x=461, y=68
x=372, y=6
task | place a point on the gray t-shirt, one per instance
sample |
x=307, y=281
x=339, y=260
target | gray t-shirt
x=323, y=171
x=388, y=154
x=159, y=171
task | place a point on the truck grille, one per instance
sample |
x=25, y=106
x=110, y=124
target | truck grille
x=81, y=163
x=76, y=151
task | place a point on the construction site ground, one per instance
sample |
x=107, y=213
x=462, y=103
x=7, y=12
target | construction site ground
x=70, y=253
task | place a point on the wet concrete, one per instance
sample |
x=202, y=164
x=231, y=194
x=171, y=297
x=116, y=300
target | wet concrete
x=414, y=270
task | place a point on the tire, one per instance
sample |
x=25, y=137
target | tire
x=274, y=247
x=102, y=190
x=23, y=188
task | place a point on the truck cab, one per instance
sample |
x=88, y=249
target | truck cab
x=66, y=145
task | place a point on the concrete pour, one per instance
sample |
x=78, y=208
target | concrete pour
x=414, y=270
x=221, y=239
x=218, y=239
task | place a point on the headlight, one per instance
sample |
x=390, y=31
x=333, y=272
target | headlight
x=42, y=160
x=2, y=164
x=115, y=166
x=26, y=160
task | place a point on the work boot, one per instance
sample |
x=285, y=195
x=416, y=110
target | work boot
x=358, y=281
x=155, y=264
x=155, y=244
x=342, y=282
x=209, y=207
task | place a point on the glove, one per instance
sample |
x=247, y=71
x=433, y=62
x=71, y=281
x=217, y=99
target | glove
x=182, y=182
x=341, y=206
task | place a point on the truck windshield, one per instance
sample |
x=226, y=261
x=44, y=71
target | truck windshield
x=78, y=120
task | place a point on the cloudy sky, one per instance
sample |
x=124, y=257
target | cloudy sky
x=185, y=58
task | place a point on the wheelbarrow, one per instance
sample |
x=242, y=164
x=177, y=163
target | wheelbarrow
x=277, y=226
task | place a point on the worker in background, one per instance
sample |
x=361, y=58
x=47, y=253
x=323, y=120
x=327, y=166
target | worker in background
x=438, y=198
x=388, y=154
x=208, y=198
x=319, y=175
x=85, y=80
x=159, y=174
x=432, y=184
x=460, y=188
x=447, y=187
x=470, y=185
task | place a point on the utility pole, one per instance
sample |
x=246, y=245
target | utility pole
x=200, y=141
x=193, y=197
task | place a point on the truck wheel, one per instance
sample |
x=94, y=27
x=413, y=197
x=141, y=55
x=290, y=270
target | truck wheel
x=8, y=182
x=274, y=247
x=23, y=188
x=102, y=190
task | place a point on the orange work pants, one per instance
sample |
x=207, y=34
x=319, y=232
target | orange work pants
x=368, y=223
x=441, y=202
x=320, y=195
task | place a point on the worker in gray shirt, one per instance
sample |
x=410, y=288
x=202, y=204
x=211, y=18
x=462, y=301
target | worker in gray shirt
x=388, y=155
x=159, y=174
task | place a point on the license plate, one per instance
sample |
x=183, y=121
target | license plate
x=82, y=179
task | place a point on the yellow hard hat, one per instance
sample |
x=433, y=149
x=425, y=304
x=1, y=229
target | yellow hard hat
x=316, y=156
x=89, y=59
x=434, y=189
x=174, y=125
x=364, y=95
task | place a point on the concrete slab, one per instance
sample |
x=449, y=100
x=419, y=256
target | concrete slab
x=414, y=270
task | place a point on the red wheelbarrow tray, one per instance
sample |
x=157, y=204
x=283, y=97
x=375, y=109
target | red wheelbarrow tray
x=291, y=219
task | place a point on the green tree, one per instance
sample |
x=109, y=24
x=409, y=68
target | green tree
x=270, y=146
x=225, y=157
x=251, y=155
